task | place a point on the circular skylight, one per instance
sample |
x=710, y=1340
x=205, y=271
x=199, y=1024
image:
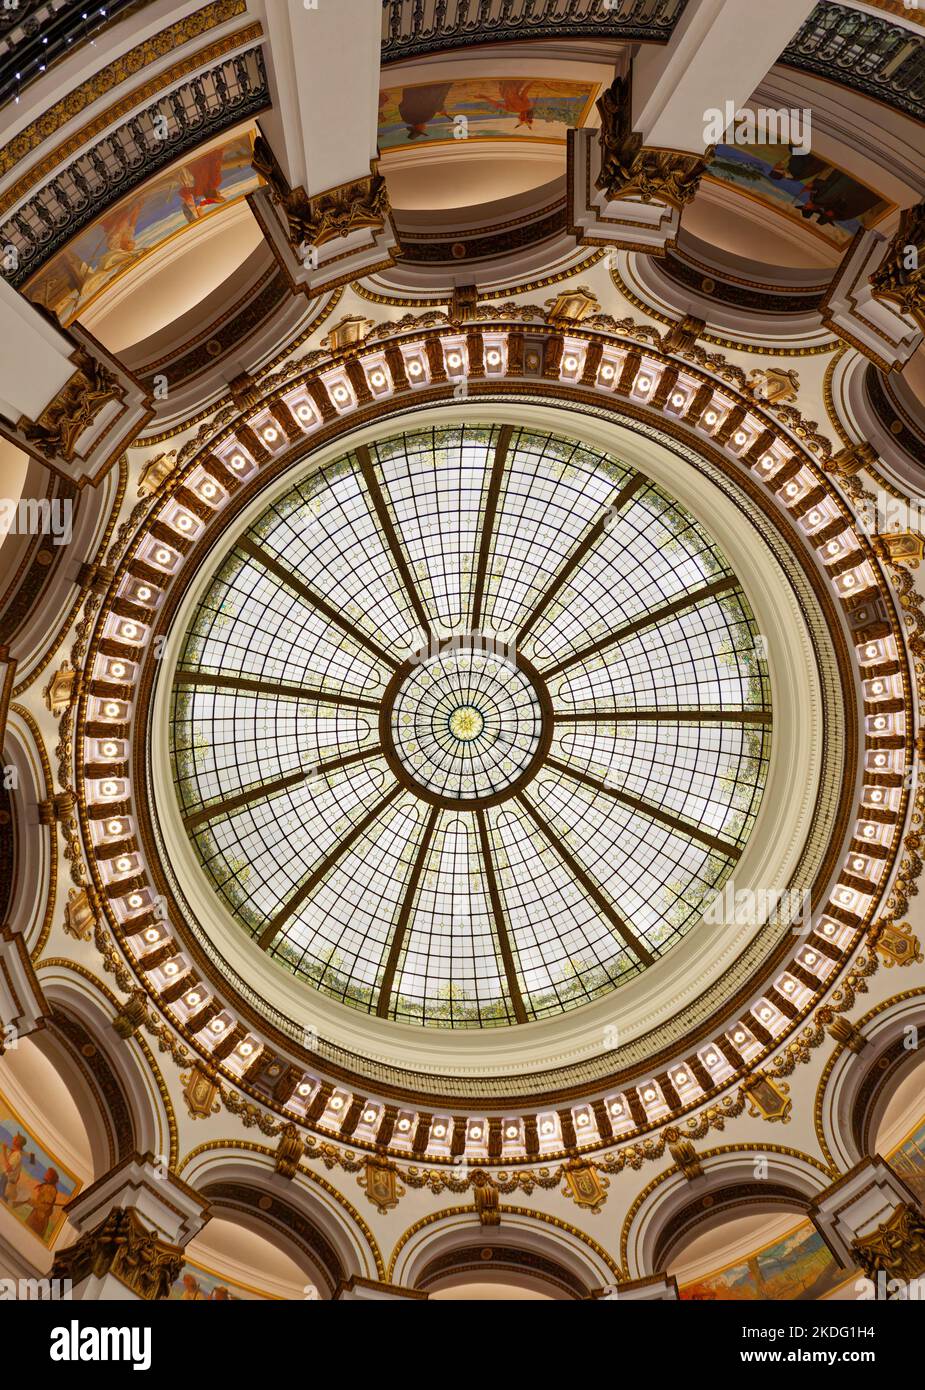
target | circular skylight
x=470, y=725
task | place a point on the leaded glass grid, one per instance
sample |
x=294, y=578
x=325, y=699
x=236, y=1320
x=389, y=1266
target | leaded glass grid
x=469, y=725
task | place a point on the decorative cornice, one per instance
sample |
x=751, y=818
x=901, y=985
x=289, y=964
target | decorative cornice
x=900, y=276
x=630, y=169
x=121, y=1245
x=56, y=432
x=317, y=218
x=112, y=76
x=896, y=1248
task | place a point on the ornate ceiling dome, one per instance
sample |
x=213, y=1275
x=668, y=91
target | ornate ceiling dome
x=462, y=651
x=469, y=725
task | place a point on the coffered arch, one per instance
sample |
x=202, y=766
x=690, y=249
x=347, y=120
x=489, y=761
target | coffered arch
x=734, y=1179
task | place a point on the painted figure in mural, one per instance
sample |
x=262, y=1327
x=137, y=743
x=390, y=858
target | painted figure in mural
x=836, y=197
x=191, y=1289
x=43, y=1202
x=801, y=167
x=419, y=105
x=220, y=1294
x=11, y=1158
x=514, y=101
x=200, y=184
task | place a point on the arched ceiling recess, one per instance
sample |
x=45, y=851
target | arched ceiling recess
x=702, y=406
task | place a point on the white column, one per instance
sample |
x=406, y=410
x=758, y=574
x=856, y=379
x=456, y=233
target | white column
x=325, y=67
x=322, y=130
x=870, y=1219
x=35, y=358
x=138, y=1205
x=719, y=52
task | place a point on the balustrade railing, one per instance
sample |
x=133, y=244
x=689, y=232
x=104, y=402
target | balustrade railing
x=411, y=27
x=205, y=105
x=863, y=51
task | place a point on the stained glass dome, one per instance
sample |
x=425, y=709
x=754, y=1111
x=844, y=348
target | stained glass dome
x=469, y=725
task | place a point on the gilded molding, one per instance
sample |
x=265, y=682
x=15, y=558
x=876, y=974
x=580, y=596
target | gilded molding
x=722, y=1149
x=896, y=1248
x=630, y=169
x=825, y=1078
x=112, y=76
x=72, y=410
x=425, y=1221
x=900, y=277
x=248, y=1146
x=121, y=1245
x=317, y=218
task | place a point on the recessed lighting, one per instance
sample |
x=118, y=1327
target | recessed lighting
x=117, y=669
x=476, y=1132
x=135, y=900
x=162, y=557
x=439, y=1131
x=711, y=1059
x=114, y=827
x=377, y=378
x=208, y=489
x=143, y=592
x=270, y=434
x=415, y=368
x=680, y=1078
x=582, y=1120
x=237, y=461
x=184, y=522
x=304, y=412
x=768, y=461
x=171, y=968
x=710, y=417
x=570, y=363
x=547, y=1127
x=454, y=360
x=337, y=1102
x=644, y=384
x=740, y=437
x=123, y=864
x=111, y=709
x=678, y=399
x=152, y=935
x=493, y=357
x=607, y=372
x=369, y=1116
x=511, y=1132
